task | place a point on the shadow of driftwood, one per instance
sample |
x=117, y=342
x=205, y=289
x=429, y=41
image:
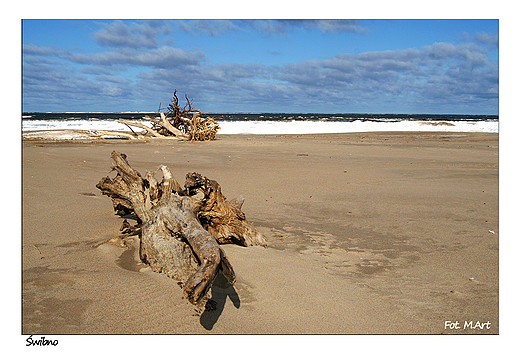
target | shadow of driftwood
x=220, y=291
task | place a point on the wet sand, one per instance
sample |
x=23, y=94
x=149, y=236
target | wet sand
x=368, y=233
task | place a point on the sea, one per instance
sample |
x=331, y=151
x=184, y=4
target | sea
x=276, y=123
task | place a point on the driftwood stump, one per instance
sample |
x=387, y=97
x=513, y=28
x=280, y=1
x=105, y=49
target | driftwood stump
x=179, y=231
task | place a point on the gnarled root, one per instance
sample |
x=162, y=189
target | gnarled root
x=179, y=234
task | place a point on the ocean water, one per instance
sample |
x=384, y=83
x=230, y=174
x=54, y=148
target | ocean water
x=277, y=123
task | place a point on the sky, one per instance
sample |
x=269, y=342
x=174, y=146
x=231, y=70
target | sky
x=299, y=66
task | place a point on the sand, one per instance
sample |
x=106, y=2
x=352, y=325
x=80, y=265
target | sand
x=379, y=233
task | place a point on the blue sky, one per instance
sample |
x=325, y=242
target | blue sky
x=328, y=66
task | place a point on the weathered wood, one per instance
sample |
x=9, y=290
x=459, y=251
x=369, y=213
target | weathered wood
x=119, y=135
x=183, y=123
x=223, y=219
x=130, y=230
x=179, y=234
x=167, y=125
x=142, y=126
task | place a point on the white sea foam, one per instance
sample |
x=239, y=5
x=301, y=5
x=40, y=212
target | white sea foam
x=285, y=127
x=31, y=125
x=320, y=127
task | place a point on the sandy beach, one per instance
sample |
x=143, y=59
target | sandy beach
x=378, y=233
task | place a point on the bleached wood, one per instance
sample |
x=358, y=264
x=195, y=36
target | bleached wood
x=180, y=234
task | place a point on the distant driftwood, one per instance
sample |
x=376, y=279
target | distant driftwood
x=176, y=123
x=180, y=229
x=184, y=123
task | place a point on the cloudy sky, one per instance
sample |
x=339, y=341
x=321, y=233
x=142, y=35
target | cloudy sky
x=300, y=66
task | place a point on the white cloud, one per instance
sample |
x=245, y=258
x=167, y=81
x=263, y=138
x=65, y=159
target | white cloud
x=163, y=57
x=285, y=26
x=487, y=38
x=135, y=35
x=211, y=28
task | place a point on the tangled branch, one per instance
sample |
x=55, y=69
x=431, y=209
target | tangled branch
x=180, y=122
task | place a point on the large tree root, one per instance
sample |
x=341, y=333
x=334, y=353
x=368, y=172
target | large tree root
x=179, y=234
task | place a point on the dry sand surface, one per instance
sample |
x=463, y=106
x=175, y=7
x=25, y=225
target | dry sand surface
x=368, y=233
